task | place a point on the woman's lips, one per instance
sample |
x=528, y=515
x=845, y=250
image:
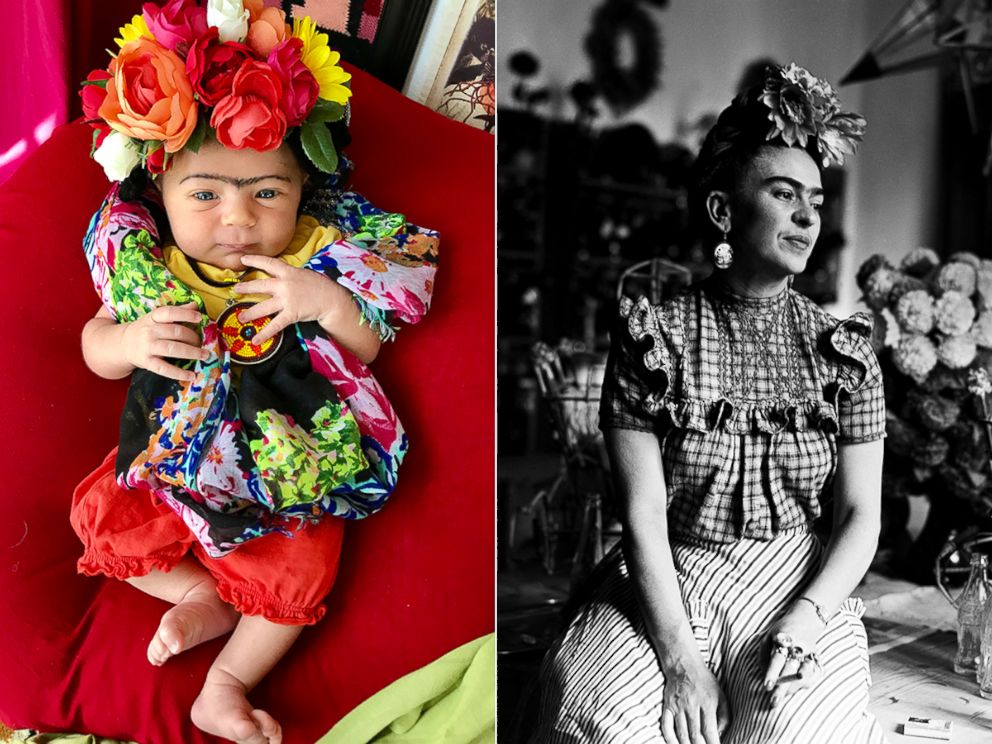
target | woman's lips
x=798, y=241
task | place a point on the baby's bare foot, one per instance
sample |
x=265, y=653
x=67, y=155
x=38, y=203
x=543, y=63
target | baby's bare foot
x=223, y=710
x=200, y=616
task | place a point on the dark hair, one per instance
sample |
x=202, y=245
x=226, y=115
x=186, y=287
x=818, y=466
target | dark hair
x=732, y=143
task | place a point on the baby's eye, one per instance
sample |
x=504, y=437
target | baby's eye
x=267, y=194
x=203, y=195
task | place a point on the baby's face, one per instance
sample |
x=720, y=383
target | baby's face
x=223, y=204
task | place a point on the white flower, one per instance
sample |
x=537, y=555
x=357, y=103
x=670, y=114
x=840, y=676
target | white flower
x=958, y=276
x=954, y=313
x=914, y=310
x=957, y=352
x=981, y=331
x=118, y=155
x=920, y=261
x=984, y=286
x=229, y=17
x=915, y=356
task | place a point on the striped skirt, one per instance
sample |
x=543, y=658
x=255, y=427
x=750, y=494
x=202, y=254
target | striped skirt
x=601, y=681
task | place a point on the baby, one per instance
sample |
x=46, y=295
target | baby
x=251, y=420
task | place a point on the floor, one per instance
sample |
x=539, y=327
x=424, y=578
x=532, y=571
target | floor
x=911, y=643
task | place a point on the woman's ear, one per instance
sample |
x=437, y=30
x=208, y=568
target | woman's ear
x=718, y=210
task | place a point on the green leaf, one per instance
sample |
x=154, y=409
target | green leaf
x=97, y=83
x=199, y=134
x=324, y=111
x=319, y=147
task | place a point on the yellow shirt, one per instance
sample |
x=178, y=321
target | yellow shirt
x=310, y=237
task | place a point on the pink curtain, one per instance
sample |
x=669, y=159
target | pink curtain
x=46, y=48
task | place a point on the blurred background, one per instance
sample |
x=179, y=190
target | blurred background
x=601, y=107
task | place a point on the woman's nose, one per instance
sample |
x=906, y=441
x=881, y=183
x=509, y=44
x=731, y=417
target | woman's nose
x=804, y=216
x=238, y=213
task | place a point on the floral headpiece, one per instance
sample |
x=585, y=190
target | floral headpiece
x=234, y=66
x=803, y=106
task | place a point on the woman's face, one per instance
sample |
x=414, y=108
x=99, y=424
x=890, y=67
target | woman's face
x=775, y=213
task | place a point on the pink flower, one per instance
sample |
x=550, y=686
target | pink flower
x=251, y=115
x=300, y=87
x=212, y=65
x=177, y=24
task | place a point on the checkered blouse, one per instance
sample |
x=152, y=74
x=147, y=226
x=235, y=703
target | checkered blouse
x=749, y=398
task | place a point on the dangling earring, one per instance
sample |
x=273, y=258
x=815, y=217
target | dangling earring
x=723, y=254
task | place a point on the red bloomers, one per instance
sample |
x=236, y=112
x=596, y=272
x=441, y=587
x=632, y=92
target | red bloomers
x=130, y=533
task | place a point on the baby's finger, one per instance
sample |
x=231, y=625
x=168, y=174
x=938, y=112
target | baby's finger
x=187, y=313
x=164, y=369
x=268, y=264
x=270, y=306
x=256, y=286
x=175, y=332
x=166, y=349
x=277, y=324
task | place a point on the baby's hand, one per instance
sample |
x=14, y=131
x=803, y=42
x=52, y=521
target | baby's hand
x=295, y=295
x=160, y=335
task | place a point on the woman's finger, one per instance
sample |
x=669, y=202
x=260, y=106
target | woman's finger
x=710, y=727
x=779, y=656
x=668, y=726
x=682, y=728
x=694, y=728
x=722, y=714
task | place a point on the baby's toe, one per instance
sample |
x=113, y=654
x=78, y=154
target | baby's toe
x=269, y=726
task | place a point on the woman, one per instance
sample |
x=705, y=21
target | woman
x=728, y=412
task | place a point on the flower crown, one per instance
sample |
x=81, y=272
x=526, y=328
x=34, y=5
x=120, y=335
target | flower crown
x=803, y=106
x=232, y=66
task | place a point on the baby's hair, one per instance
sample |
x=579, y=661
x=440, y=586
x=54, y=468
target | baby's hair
x=134, y=185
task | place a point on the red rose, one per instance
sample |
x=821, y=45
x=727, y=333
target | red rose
x=155, y=162
x=251, y=115
x=212, y=65
x=300, y=87
x=177, y=24
x=93, y=95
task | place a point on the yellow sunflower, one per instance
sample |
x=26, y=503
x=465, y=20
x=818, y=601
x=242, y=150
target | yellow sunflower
x=133, y=30
x=322, y=62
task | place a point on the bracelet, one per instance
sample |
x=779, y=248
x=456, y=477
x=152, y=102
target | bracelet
x=818, y=608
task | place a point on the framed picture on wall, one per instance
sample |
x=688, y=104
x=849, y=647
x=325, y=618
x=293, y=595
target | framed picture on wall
x=454, y=70
x=378, y=36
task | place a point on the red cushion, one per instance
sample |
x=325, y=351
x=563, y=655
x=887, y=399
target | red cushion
x=416, y=580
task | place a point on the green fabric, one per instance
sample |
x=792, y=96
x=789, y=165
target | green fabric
x=450, y=701
x=26, y=736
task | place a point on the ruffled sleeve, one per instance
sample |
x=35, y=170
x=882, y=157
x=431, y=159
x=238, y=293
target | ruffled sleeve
x=638, y=370
x=858, y=392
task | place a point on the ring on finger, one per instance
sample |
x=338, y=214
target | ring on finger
x=780, y=650
x=796, y=654
x=813, y=659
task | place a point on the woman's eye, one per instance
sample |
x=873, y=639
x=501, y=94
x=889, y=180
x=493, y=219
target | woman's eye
x=203, y=195
x=788, y=195
x=817, y=206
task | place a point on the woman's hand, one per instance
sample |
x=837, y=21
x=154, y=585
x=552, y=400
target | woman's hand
x=295, y=295
x=694, y=710
x=162, y=334
x=787, y=647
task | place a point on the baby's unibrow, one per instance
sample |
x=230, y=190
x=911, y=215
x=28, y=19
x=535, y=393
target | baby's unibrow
x=237, y=182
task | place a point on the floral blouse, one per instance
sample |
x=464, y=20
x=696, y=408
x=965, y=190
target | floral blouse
x=749, y=398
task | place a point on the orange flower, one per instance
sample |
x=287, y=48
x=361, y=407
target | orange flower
x=266, y=30
x=149, y=96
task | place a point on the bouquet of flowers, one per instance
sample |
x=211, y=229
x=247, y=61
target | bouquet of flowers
x=233, y=65
x=933, y=335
